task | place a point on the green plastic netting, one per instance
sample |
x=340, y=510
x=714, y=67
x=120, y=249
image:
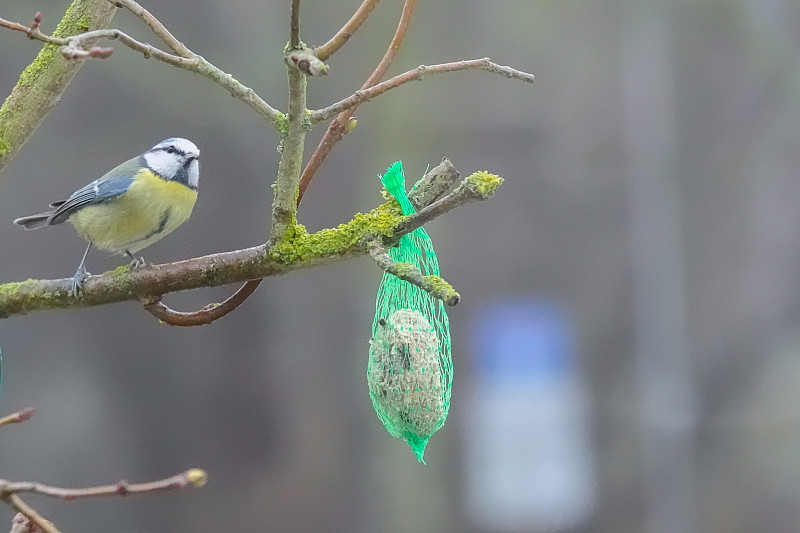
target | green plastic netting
x=410, y=371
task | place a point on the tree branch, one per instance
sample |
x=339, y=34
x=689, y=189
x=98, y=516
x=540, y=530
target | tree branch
x=44, y=81
x=432, y=186
x=158, y=28
x=78, y=47
x=9, y=492
x=336, y=129
x=284, y=205
x=343, y=35
x=298, y=250
x=478, y=186
x=190, y=478
x=33, y=521
x=422, y=71
x=207, y=315
x=434, y=285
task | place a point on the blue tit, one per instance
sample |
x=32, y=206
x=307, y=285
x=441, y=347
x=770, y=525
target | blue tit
x=132, y=206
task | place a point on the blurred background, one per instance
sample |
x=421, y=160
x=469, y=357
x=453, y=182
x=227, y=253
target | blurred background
x=627, y=351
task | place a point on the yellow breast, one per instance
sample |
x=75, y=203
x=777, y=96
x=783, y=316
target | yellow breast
x=148, y=211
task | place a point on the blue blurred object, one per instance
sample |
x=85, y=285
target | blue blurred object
x=528, y=451
x=527, y=339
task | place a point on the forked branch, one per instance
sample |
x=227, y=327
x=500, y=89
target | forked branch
x=336, y=129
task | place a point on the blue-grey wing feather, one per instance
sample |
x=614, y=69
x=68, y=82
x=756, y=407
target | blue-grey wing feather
x=113, y=183
x=96, y=192
x=107, y=187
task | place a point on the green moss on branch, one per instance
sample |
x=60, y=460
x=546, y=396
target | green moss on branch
x=299, y=245
x=485, y=183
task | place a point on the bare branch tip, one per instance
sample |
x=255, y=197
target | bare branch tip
x=37, y=19
x=197, y=477
x=22, y=415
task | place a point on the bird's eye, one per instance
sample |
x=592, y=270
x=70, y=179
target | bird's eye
x=171, y=150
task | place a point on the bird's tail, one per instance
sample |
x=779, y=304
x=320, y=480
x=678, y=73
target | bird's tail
x=34, y=221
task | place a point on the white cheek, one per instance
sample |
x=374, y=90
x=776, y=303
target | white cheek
x=163, y=163
x=194, y=173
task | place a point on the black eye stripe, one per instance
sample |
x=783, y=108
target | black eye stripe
x=171, y=150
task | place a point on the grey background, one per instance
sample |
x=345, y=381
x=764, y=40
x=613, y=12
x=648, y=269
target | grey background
x=652, y=167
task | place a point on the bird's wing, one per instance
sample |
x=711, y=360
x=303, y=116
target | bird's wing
x=111, y=185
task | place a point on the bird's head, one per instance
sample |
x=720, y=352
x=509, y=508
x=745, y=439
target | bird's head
x=175, y=159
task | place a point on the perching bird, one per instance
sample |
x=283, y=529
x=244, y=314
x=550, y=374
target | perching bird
x=132, y=206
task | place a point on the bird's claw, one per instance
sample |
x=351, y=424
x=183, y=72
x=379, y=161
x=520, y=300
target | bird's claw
x=77, y=282
x=136, y=262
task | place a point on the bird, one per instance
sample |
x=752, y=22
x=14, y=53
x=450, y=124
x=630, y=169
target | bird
x=131, y=206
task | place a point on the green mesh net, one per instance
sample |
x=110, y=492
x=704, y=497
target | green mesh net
x=410, y=371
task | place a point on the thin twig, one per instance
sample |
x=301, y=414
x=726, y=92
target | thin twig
x=418, y=73
x=193, y=478
x=30, y=513
x=75, y=42
x=19, y=27
x=18, y=417
x=394, y=45
x=336, y=129
x=434, y=285
x=343, y=35
x=294, y=39
x=155, y=25
x=207, y=315
x=74, y=48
